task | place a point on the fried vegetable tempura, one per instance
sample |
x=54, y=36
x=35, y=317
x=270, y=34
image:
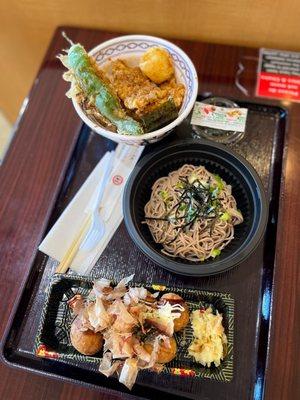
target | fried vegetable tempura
x=156, y=63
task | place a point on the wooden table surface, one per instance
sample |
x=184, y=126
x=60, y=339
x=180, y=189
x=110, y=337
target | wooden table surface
x=30, y=180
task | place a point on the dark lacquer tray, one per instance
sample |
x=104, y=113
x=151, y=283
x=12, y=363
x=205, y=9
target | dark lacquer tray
x=250, y=284
x=53, y=337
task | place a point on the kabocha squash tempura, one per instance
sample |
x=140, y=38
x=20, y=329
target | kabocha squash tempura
x=84, y=73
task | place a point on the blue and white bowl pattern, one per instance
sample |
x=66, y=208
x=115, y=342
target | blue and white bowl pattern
x=133, y=46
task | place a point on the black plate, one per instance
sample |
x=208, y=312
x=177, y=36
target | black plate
x=53, y=338
x=247, y=189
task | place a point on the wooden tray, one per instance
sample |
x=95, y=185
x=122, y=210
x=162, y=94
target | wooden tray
x=250, y=284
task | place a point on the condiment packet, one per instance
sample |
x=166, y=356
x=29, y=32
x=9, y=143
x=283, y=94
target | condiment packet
x=211, y=116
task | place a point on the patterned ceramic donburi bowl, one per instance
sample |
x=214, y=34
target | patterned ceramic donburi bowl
x=131, y=48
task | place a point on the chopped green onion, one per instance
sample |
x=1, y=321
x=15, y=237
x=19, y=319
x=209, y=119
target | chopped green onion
x=164, y=195
x=172, y=219
x=192, y=178
x=215, y=253
x=182, y=207
x=179, y=185
x=204, y=183
x=214, y=191
x=219, y=182
x=225, y=216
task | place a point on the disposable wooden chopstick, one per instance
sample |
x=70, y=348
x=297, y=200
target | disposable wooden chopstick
x=73, y=249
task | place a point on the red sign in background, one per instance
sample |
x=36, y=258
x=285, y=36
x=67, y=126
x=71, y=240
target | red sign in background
x=278, y=86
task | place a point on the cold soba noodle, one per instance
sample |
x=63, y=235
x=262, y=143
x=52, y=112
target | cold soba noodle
x=192, y=213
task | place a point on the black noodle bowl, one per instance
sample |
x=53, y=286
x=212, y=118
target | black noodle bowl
x=247, y=190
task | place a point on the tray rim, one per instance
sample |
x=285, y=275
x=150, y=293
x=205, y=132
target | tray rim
x=4, y=357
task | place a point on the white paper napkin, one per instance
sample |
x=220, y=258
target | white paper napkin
x=63, y=232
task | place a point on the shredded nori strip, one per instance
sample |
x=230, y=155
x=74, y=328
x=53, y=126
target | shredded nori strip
x=196, y=201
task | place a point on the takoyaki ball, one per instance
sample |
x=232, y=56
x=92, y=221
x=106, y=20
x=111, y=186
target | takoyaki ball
x=86, y=342
x=181, y=322
x=165, y=353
